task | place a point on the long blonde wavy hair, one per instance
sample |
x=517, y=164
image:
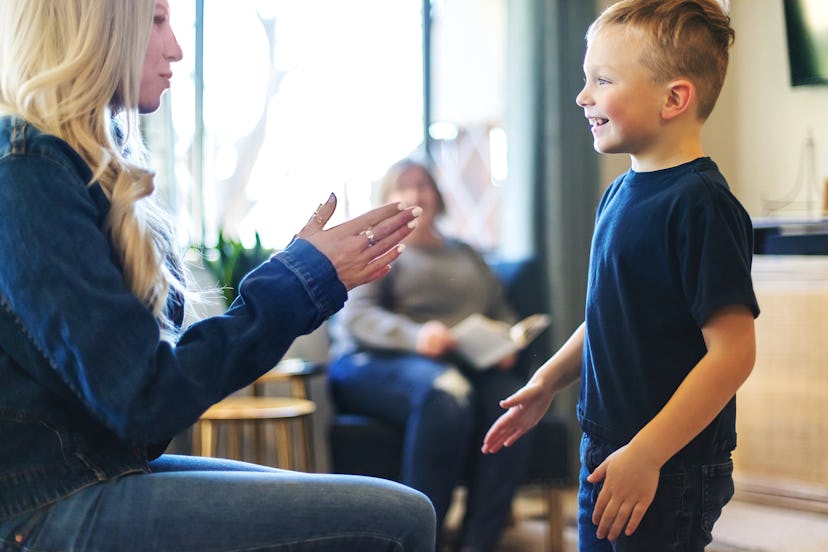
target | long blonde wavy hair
x=68, y=67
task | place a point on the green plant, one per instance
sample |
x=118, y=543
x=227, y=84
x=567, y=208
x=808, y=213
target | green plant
x=229, y=260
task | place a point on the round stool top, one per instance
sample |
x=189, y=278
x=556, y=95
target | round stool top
x=289, y=368
x=259, y=408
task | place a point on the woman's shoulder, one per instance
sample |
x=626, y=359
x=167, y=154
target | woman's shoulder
x=20, y=138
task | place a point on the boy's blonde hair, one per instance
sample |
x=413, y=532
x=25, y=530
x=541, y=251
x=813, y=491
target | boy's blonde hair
x=683, y=38
x=67, y=67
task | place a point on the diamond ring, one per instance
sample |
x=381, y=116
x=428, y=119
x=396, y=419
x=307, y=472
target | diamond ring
x=369, y=235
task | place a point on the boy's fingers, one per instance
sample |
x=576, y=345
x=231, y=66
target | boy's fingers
x=635, y=519
x=620, y=521
x=598, y=474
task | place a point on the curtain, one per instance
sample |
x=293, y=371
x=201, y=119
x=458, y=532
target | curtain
x=551, y=152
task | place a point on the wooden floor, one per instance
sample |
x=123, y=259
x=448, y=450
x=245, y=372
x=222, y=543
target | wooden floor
x=743, y=527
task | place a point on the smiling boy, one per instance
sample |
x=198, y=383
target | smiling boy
x=668, y=335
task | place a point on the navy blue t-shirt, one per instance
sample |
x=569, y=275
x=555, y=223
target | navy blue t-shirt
x=670, y=248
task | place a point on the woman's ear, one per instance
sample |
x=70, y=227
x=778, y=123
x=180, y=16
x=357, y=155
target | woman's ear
x=681, y=95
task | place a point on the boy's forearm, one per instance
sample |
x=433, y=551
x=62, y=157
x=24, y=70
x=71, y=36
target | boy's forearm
x=564, y=367
x=706, y=389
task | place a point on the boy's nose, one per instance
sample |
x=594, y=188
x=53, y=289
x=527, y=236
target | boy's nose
x=582, y=99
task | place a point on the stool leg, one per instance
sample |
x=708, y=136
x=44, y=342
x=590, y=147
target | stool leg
x=308, y=460
x=195, y=439
x=554, y=516
x=205, y=438
x=283, y=456
x=261, y=442
x=233, y=440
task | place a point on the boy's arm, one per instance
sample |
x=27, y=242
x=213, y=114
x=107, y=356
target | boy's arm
x=631, y=473
x=529, y=403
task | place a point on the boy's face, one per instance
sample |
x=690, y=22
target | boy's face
x=620, y=98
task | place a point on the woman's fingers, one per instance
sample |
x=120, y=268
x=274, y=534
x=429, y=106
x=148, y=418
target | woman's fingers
x=319, y=218
x=387, y=221
x=362, y=248
x=373, y=217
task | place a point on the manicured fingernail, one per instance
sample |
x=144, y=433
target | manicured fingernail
x=400, y=248
x=412, y=224
x=402, y=206
x=417, y=211
x=331, y=197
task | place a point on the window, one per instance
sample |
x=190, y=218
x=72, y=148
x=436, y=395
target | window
x=301, y=98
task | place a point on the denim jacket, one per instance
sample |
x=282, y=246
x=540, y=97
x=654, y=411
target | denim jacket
x=87, y=385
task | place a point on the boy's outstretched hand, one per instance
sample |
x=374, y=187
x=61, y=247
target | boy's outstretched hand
x=525, y=409
x=630, y=482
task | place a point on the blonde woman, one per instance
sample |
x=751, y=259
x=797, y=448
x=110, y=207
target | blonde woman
x=97, y=373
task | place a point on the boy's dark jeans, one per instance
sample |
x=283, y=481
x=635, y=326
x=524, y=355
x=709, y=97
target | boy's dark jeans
x=688, y=501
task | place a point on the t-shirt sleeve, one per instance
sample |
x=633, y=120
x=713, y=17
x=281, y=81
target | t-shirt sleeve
x=715, y=252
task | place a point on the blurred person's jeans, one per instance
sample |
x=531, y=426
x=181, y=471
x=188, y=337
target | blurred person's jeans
x=445, y=414
x=206, y=504
x=688, y=501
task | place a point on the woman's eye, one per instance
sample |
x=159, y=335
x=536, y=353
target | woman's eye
x=159, y=19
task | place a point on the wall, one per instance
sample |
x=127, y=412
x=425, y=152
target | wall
x=757, y=132
x=782, y=457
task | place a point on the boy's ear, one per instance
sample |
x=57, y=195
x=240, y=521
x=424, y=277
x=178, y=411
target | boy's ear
x=681, y=95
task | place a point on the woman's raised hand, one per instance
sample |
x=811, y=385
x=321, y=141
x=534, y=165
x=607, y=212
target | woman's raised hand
x=362, y=248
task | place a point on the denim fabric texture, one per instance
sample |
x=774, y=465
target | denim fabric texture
x=688, y=501
x=445, y=414
x=211, y=504
x=87, y=384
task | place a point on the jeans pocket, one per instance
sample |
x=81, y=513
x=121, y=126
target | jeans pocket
x=717, y=490
x=19, y=530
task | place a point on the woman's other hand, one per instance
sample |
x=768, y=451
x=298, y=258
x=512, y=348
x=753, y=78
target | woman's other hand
x=507, y=363
x=362, y=248
x=435, y=339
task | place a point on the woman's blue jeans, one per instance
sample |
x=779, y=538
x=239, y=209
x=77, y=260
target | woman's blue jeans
x=688, y=501
x=206, y=504
x=445, y=415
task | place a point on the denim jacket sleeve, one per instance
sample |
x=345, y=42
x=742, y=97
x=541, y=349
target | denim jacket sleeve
x=71, y=324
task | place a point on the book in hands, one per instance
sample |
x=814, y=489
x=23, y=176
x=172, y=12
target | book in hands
x=484, y=342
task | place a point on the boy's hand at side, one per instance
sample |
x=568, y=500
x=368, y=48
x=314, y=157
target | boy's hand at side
x=630, y=474
x=630, y=481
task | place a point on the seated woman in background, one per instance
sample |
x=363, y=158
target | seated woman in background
x=392, y=359
x=97, y=375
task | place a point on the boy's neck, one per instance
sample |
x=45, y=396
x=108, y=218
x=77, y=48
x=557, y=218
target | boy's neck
x=670, y=150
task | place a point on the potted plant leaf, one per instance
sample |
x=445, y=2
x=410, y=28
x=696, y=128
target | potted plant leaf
x=229, y=261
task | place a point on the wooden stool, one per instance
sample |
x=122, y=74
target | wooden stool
x=235, y=411
x=297, y=372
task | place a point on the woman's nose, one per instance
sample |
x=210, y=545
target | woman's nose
x=173, y=51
